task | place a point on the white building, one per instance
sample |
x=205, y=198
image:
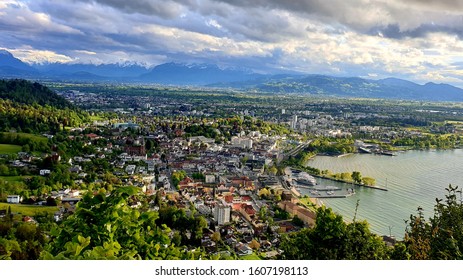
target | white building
x=255, y=134
x=293, y=123
x=210, y=178
x=44, y=172
x=130, y=169
x=13, y=198
x=222, y=214
x=241, y=142
x=200, y=139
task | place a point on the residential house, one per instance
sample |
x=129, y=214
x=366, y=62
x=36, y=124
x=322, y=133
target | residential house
x=135, y=146
x=14, y=198
x=243, y=249
x=44, y=172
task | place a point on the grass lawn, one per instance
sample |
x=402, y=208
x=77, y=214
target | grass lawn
x=96, y=118
x=253, y=256
x=9, y=149
x=455, y=122
x=12, y=178
x=307, y=202
x=30, y=136
x=21, y=135
x=28, y=210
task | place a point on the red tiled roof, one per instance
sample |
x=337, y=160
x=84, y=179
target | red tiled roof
x=91, y=135
x=246, y=198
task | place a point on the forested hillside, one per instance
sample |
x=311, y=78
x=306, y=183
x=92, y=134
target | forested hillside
x=26, y=92
x=34, y=108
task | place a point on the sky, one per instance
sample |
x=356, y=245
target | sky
x=418, y=40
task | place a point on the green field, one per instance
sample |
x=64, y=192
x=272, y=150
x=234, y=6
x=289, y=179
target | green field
x=28, y=210
x=11, y=179
x=96, y=118
x=32, y=136
x=9, y=149
x=22, y=135
x=27, y=135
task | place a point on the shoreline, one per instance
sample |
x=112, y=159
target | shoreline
x=352, y=183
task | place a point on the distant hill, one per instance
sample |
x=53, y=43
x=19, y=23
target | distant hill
x=114, y=71
x=26, y=92
x=390, y=88
x=194, y=74
x=13, y=67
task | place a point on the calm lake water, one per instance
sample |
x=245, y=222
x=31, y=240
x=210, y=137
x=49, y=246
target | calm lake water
x=413, y=179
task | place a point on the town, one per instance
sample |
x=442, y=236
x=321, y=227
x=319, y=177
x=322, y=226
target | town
x=235, y=168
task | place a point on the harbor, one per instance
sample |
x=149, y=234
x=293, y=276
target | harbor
x=301, y=182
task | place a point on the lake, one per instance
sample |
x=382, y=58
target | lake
x=413, y=179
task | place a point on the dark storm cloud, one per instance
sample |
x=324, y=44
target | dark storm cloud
x=439, y=4
x=164, y=9
x=394, y=19
x=394, y=31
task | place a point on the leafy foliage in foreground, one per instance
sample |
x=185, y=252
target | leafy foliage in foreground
x=333, y=239
x=109, y=227
x=442, y=236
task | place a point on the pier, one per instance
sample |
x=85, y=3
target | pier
x=332, y=195
x=375, y=187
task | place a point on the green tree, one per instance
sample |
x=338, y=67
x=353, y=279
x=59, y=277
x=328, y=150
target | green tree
x=51, y=201
x=346, y=176
x=368, y=181
x=417, y=237
x=263, y=213
x=297, y=221
x=4, y=170
x=272, y=170
x=362, y=244
x=178, y=176
x=357, y=177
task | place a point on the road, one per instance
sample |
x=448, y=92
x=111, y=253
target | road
x=297, y=149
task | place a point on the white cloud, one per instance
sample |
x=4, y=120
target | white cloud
x=213, y=23
x=30, y=55
x=85, y=52
x=21, y=19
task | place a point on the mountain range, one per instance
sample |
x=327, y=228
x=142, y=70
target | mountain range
x=236, y=78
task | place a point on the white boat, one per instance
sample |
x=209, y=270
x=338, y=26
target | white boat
x=306, y=179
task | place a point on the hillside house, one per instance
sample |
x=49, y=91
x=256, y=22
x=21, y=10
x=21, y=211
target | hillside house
x=14, y=198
